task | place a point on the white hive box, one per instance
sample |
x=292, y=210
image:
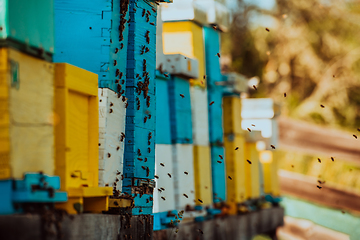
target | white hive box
x=181, y=10
x=217, y=13
x=160, y=58
x=184, y=183
x=163, y=154
x=112, y=116
x=200, y=117
x=178, y=64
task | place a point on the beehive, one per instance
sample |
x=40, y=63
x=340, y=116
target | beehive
x=28, y=26
x=112, y=115
x=270, y=168
x=232, y=115
x=200, y=119
x=164, y=200
x=218, y=173
x=183, y=168
x=180, y=110
x=26, y=114
x=163, y=130
x=235, y=168
x=77, y=138
x=186, y=38
x=202, y=175
x=252, y=172
x=98, y=42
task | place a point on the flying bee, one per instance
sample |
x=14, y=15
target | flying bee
x=248, y=161
x=166, y=75
x=236, y=148
x=322, y=106
x=354, y=136
x=319, y=187
x=117, y=172
x=230, y=177
x=182, y=95
x=214, y=27
x=221, y=157
x=358, y=129
x=186, y=173
x=254, y=87
x=117, y=149
x=163, y=198
x=249, y=129
x=292, y=166
x=161, y=164
x=109, y=155
x=186, y=195
x=169, y=175
x=218, y=54
x=267, y=29
x=156, y=176
x=253, y=125
x=332, y=159
x=211, y=103
x=272, y=146
x=284, y=94
x=321, y=182
x=204, y=77
x=219, y=161
x=319, y=160
x=200, y=200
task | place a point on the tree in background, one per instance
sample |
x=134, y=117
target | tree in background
x=311, y=53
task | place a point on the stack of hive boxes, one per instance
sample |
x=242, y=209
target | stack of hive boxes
x=27, y=115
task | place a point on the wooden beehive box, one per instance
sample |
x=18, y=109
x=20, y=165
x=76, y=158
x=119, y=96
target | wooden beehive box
x=77, y=138
x=26, y=114
x=112, y=116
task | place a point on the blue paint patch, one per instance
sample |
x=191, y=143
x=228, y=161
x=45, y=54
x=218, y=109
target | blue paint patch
x=6, y=205
x=180, y=110
x=216, y=133
x=164, y=220
x=163, y=130
x=97, y=42
x=218, y=174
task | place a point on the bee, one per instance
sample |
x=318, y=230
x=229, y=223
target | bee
x=187, y=139
x=204, y=77
x=354, y=136
x=106, y=185
x=321, y=182
x=117, y=149
x=152, y=24
x=116, y=50
x=151, y=198
x=253, y=125
x=272, y=146
x=319, y=187
x=358, y=129
x=140, y=159
x=284, y=94
x=163, y=198
x=147, y=171
x=211, y=103
x=186, y=173
x=121, y=46
x=322, y=106
x=292, y=166
x=333, y=76
x=122, y=177
x=182, y=95
x=147, y=37
x=254, y=87
x=214, y=27
x=116, y=180
x=115, y=62
x=332, y=159
x=126, y=105
x=139, y=212
x=267, y=29
x=116, y=203
x=143, y=167
x=145, y=119
x=123, y=98
x=109, y=155
x=236, y=148
x=230, y=177
x=249, y=129
x=161, y=164
x=117, y=172
x=169, y=175
x=200, y=200
x=156, y=176
x=177, y=230
x=248, y=161
x=200, y=231
x=149, y=136
x=143, y=13
x=218, y=54
x=110, y=111
x=219, y=161
x=221, y=157
x=319, y=160
x=343, y=212
x=186, y=195
x=149, y=150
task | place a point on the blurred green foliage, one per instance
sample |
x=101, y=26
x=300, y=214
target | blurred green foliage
x=312, y=52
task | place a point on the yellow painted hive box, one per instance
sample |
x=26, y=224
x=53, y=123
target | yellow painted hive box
x=26, y=114
x=232, y=115
x=202, y=175
x=252, y=172
x=77, y=136
x=186, y=37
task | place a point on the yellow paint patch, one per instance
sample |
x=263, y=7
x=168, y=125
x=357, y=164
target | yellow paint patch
x=252, y=173
x=232, y=115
